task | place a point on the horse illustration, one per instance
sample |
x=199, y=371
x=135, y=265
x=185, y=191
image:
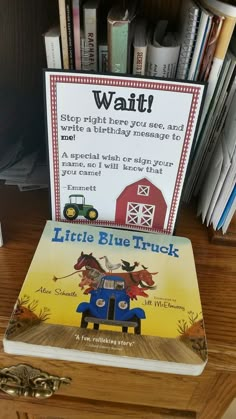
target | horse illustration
x=88, y=260
x=134, y=281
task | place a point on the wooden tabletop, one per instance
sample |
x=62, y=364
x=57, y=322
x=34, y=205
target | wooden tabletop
x=23, y=215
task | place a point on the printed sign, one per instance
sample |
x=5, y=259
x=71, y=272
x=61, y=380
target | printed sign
x=119, y=147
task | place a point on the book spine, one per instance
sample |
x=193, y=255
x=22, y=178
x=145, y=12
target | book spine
x=84, y=54
x=162, y=61
x=90, y=33
x=70, y=35
x=76, y=31
x=63, y=29
x=53, y=51
x=206, y=61
x=118, y=35
x=203, y=31
x=139, y=62
x=189, y=37
x=224, y=38
x=220, y=53
x=103, y=58
x=229, y=14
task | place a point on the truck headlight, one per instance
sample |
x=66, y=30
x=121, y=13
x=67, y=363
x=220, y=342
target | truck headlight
x=123, y=305
x=100, y=302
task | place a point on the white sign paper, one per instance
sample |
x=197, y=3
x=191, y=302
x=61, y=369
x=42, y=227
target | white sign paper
x=119, y=147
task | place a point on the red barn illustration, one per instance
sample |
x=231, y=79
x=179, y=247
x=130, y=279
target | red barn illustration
x=141, y=204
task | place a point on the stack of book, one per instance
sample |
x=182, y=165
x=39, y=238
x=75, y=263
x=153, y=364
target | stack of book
x=217, y=195
x=118, y=39
x=215, y=65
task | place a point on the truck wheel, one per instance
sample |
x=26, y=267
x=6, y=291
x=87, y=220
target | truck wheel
x=137, y=329
x=91, y=214
x=70, y=212
x=83, y=323
x=96, y=326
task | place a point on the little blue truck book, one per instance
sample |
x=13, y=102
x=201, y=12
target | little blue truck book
x=114, y=297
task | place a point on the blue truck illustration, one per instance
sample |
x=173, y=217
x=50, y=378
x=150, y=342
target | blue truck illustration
x=109, y=304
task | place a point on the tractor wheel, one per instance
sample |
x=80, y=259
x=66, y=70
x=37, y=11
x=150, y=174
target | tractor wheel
x=70, y=212
x=91, y=214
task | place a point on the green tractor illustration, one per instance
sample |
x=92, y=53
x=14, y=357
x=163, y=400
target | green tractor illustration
x=77, y=207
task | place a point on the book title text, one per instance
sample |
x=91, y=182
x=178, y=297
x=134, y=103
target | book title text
x=110, y=239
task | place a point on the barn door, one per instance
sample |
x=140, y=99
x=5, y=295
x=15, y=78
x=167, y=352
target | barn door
x=140, y=214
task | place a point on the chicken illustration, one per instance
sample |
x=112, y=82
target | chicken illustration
x=110, y=266
x=127, y=267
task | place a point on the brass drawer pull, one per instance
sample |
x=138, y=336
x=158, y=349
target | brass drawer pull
x=24, y=380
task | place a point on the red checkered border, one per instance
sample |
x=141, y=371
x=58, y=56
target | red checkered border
x=120, y=82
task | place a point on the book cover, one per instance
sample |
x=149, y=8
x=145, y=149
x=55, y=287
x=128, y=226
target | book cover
x=119, y=32
x=162, y=52
x=52, y=40
x=63, y=30
x=187, y=29
x=90, y=14
x=119, y=156
x=111, y=297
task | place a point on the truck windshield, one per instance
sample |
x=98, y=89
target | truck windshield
x=113, y=285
